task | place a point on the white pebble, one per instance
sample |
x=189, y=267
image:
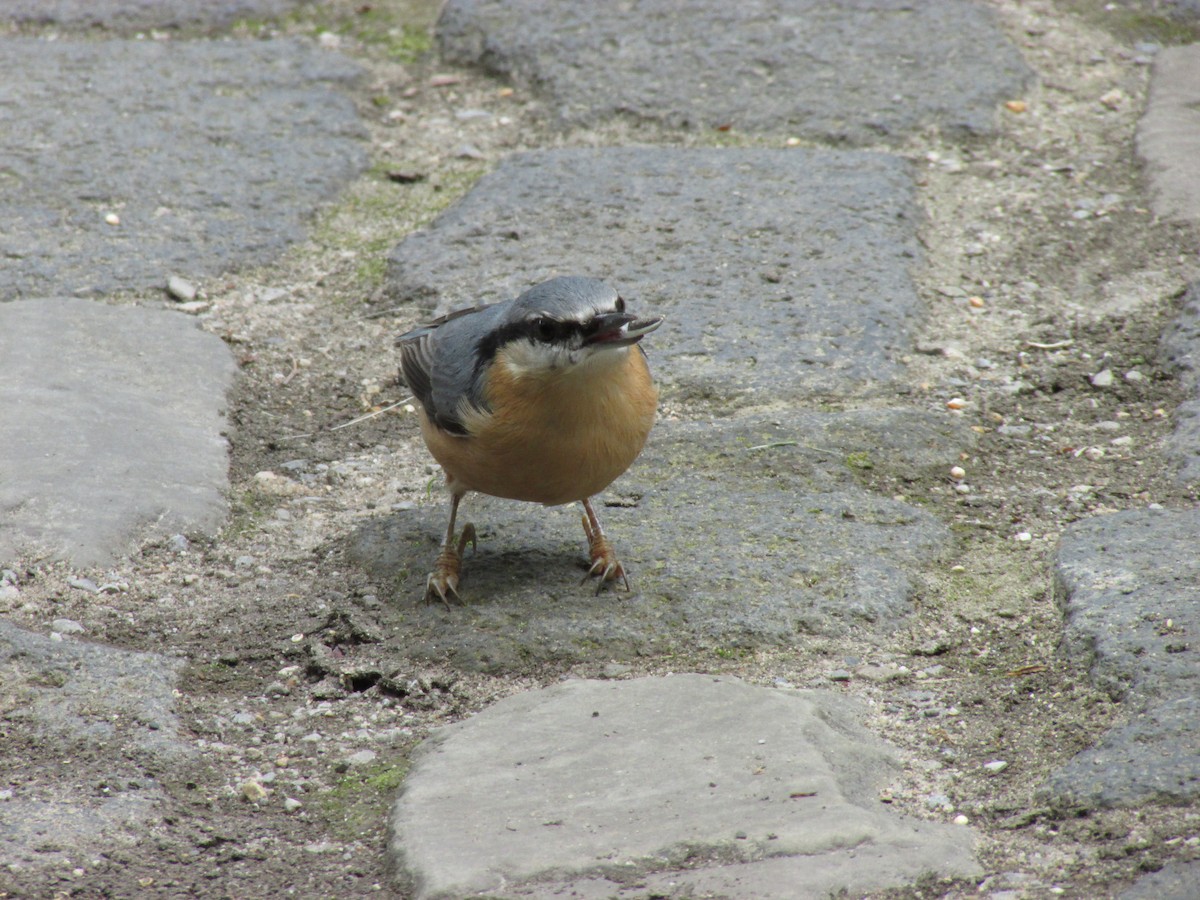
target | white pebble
x=995, y=767
x=112, y=219
x=960, y=819
x=958, y=473
x=1134, y=375
x=1103, y=378
x=181, y=288
x=291, y=804
x=1023, y=536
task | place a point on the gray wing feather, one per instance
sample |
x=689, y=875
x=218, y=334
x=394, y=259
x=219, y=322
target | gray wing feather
x=438, y=361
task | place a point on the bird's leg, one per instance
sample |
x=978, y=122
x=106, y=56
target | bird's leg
x=442, y=582
x=604, y=559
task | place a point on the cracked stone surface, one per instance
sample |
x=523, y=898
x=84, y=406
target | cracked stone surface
x=135, y=192
x=1169, y=134
x=699, y=781
x=843, y=72
x=810, y=291
x=90, y=700
x=733, y=575
x=113, y=428
x=131, y=15
x=1130, y=587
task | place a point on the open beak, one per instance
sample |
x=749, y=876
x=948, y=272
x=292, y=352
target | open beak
x=620, y=329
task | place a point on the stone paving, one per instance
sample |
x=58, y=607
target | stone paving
x=671, y=786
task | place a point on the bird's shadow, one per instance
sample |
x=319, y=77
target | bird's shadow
x=521, y=549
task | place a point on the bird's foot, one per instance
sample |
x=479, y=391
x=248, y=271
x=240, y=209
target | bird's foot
x=605, y=564
x=442, y=583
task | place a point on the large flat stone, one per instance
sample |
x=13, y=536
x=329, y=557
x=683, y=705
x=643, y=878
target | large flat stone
x=689, y=780
x=1174, y=881
x=780, y=272
x=1168, y=136
x=857, y=70
x=737, y=534
x=111, y=428
x=88, y=731
x=1181, y=343
x=211, y=154
x=129, y=15
x=1130, y=587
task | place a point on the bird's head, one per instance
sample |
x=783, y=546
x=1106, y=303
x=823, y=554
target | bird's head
x=568, y=322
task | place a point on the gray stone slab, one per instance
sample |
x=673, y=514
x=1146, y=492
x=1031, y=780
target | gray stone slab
x=211, y=154
x=781, y=272
x=736, y=534
x=1168, y=135
x=96, y=726
x=112, y=421
x=690, y=777
x=1181, y=344
x=855, y=71
x=1130, y=586
x=130, y=15
x=1174, y=881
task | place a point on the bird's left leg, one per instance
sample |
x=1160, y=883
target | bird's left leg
x=442, y=582
x=604, y=559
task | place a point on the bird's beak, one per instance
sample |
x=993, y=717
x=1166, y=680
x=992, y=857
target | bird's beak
x=620, y=329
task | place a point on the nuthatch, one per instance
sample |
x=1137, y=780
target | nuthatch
x=542, y=398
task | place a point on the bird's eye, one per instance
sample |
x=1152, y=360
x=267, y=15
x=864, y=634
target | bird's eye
x=620, y=304
x=545, y=328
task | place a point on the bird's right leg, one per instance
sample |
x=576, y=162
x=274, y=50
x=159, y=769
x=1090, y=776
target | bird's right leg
x=442, y=583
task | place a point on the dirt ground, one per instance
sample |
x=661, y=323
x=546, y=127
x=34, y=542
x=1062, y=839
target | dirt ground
x=1044, y=267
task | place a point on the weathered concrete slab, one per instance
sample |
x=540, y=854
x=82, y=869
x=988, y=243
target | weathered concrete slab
x=737, y=534
x=689, y=777
x=1174, y=881
x=101, y=727
x=1130, y=586
x=1181, y=344
x=780, y=272
x=210, y=155
x=131, y=15
x=112, y=421
x=856, y=71
x=1168, y=136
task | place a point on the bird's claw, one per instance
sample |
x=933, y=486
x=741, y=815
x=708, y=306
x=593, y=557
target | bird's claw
x=605, y=564
x=442, y=583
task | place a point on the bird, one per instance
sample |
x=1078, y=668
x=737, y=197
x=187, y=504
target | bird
x=545, y=398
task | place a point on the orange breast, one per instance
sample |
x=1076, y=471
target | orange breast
x=555, y=437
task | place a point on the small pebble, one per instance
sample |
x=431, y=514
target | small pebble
x=66, y=626
x=291, y=804
x=956, y=403
x=1093, y=453
x=112, y=219
x=839, y=675
x=958, y=473
x=1123, y=441
x=1102, y=379
x=468, y=151
x=1133, y=375
x=995, y=767
x=253, y=791
x=181, y=289
x=84, y=584
x=960, y=819
x=1023, y=536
